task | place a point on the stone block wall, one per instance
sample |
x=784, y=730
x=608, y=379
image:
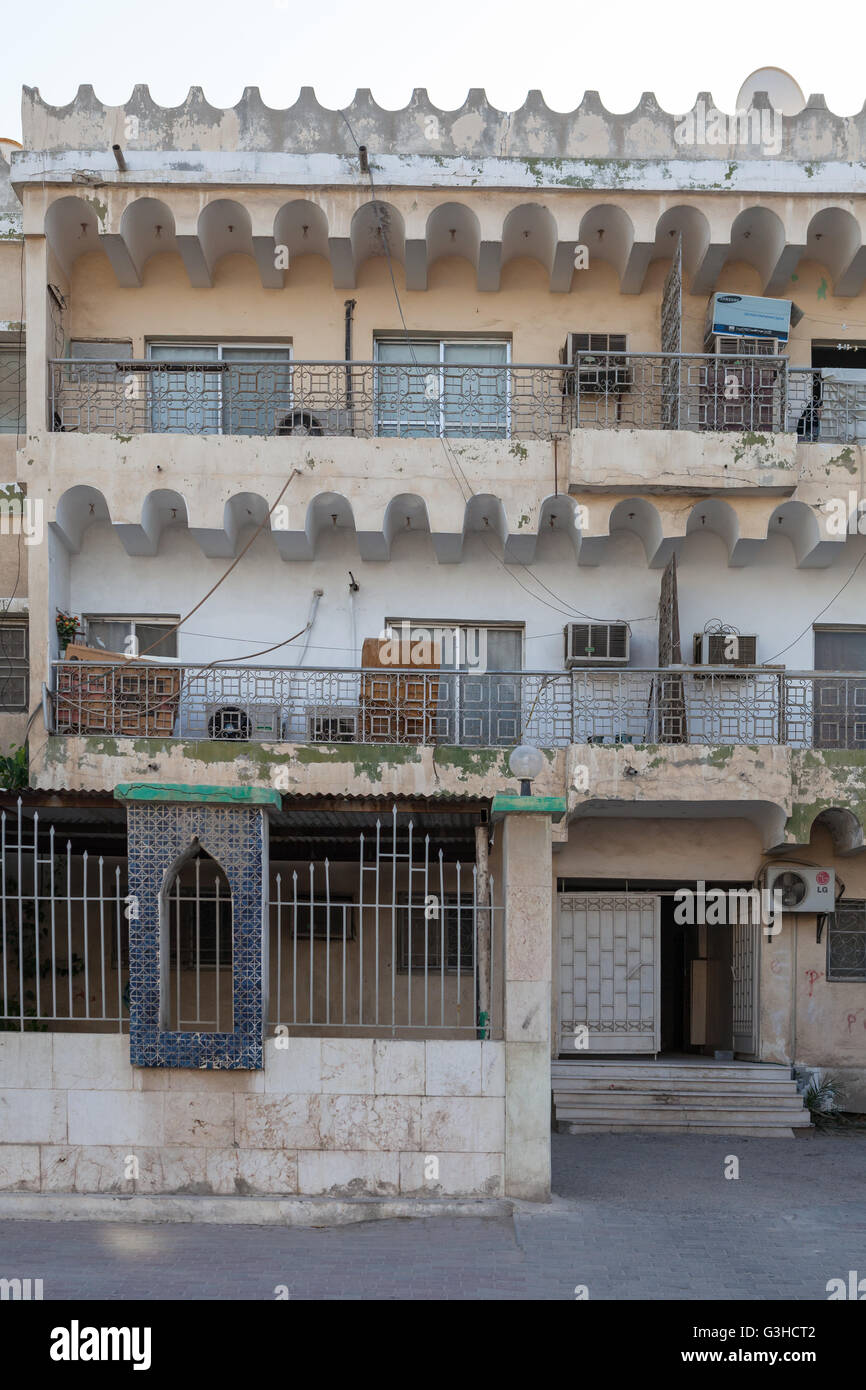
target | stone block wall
x=337, y=1117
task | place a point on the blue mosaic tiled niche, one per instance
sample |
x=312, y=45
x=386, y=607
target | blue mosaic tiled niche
x=236, y=836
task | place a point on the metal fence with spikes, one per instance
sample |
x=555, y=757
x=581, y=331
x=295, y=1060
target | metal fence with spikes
x=387, y=937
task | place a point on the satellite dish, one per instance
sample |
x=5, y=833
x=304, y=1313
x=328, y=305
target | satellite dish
x=785, y=94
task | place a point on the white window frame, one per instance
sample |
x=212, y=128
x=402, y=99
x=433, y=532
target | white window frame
x=146, y=620
x=443, y=343
x=221, y=345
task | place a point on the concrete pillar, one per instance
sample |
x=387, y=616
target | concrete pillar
x=528, y=893
x=36, y=320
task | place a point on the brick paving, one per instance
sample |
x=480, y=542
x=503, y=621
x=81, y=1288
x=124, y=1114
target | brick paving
x=633, y=1217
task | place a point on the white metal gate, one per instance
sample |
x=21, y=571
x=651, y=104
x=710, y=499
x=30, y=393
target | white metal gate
x=609, y=972
x=745, y=972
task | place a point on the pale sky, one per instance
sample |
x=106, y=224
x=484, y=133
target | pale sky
x=620, y=49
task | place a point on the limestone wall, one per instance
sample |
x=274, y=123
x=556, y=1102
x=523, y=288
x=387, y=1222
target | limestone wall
x=338, y=1117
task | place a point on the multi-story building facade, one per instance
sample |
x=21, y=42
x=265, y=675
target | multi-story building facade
x=366, y=448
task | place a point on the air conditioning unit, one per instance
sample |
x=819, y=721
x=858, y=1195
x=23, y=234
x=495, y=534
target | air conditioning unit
x=743, y=318
x=725, y=649
x=731, y=345
x=248, y=723
x=602, y=367
x=596, y=644
x=803, y=890
x=334, y=725
x=306, y=420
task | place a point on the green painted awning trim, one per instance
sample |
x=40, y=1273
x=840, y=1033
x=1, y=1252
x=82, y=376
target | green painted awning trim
x=507, y=803
x=180, y=791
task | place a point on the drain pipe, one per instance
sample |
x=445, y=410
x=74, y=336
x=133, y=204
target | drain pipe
x=318, y=594
x=482, y=890
x=349, y=306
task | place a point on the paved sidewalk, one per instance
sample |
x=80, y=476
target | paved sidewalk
x=634, y=1217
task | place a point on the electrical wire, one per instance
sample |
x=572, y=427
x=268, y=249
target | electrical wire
x=466, y=489
x=261, y=526
x=814, y=620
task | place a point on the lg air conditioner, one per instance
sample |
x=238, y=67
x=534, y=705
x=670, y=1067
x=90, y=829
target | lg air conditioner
x=803, y=890
x=596, y=644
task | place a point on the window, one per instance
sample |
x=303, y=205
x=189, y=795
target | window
x=220, y=388
x=14, y=667
x=839, y=706
x=331, y=918
x=482, y=707
x=454, y=388
x=455, y=928
x=846, y=941
x=12, y=379
x=143, y=636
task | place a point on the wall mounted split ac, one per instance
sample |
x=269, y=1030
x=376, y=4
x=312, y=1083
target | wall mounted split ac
x=803, y=890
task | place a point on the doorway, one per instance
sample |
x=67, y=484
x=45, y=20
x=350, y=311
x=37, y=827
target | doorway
x=637, y=981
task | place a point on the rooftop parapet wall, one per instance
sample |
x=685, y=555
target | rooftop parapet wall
x=475, y=130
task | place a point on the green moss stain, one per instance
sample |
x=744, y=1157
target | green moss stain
x=845, y=459
x=101, y=210
x=519, y=451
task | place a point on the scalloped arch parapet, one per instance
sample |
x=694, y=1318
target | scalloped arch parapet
x=474, y=130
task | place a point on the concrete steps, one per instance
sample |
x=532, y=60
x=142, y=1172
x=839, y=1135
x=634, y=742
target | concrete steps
x=594, y=1097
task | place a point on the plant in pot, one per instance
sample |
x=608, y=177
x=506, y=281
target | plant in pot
x=67, y=629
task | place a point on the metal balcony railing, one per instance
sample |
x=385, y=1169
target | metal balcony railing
x=470, y=709
x=647, y=391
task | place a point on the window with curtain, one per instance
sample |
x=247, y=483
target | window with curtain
x=442, y=388
x=220, y=388
x=133, y=636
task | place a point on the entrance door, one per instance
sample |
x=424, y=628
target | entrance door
x=745, y=971
x=609, y=971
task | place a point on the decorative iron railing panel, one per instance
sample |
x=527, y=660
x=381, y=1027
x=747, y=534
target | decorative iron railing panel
x=469, y=709
x=409, y=400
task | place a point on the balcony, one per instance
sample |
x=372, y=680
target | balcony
x=466, y=709
x=367, y=400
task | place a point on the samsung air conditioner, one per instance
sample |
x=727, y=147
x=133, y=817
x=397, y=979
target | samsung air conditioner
x=596, y=644
x=598, y=362
x=739, y=322
x=725, y=649
x=249, y=723
x=803, y=890
x=335, y=725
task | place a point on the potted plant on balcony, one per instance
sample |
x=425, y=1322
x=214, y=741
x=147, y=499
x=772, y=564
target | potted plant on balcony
x=67, y=629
